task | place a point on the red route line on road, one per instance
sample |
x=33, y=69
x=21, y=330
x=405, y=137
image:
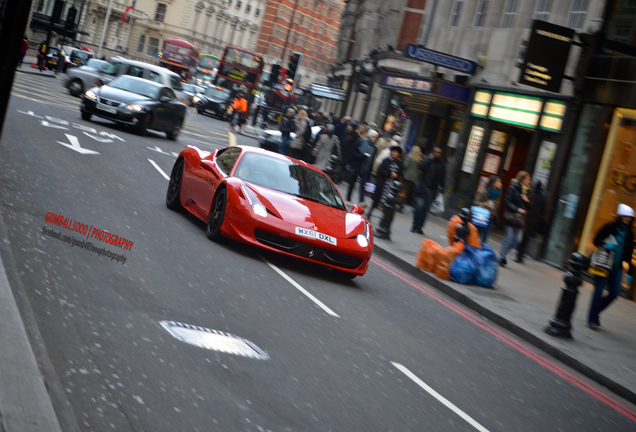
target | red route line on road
x=516, y=345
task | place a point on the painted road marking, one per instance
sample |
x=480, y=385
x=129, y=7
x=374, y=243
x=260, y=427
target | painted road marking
x=159, y=169
x=299, y=288
x=232, y=139
x=75, y=145
x=439, y=397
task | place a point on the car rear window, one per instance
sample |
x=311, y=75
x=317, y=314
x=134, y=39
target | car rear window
x=175, y=83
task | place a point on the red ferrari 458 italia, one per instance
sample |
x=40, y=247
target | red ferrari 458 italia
x=273, y=202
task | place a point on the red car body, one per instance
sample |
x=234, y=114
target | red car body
x=205, y=174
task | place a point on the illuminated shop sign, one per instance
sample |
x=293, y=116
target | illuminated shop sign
x=408, y=84
x=553, y=113
x=516, y=109
x=546, y=56
x=481, y=102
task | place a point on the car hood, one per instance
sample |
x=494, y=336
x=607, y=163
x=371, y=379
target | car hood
x=215, y=100
x=121, y=95
x=308, y=214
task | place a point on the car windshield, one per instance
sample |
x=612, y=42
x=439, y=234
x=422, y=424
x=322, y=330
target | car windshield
x=187, y=88
x=82, y=55
x=217, y=93
x=138, y=86
x=286, y=176
x=96, y=64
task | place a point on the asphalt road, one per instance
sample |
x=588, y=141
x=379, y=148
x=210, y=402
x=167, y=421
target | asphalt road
x=380, y=353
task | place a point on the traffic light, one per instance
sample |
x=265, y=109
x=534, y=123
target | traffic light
x=364, y=80
x=294, y=63
x=69, y=23
x=57, y=11
x=273, y=76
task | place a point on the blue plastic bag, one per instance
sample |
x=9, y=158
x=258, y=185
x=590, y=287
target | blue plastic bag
x=464, y=268
x=481, y=216
x=487, y=266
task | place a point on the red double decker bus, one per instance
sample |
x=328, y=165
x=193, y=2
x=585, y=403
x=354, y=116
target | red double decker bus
x=239, y=69
x=179, y=56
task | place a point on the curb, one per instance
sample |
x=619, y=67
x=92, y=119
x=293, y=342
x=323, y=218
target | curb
x=37, y=72
x=506, y=324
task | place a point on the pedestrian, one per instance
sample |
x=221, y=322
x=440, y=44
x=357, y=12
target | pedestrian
x=390, y=169
x=432, y=177
x=383, y=147
x=534, y=219
x=341, y=127
x=240, y=110
x=297, y=145
x=617, y=237
x=411, y=171
x=347, y=144
x=288, y=125
x=367, y=150
x=23, y=50
x=327, y=145
x=41, y=57
x=516, y=205
x=490, y=199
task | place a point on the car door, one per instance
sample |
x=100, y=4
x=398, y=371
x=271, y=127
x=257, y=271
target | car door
x=166, y=116
x=208, y=177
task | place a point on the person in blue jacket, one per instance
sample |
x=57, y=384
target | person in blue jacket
x=622, y=244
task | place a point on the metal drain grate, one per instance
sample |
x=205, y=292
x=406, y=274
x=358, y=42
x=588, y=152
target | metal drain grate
x=213, y=340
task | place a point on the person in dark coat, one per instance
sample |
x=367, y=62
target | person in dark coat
x=347, y=146
x=287, y=126
x=617, y=237
x=389, y=169
x=341, y=127
x=534, y=218
x=433, y=169
x=516, y=201
x=366, y=150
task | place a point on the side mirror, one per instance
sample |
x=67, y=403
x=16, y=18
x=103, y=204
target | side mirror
x=164, y=99
x=99, y=82
x=357, y=209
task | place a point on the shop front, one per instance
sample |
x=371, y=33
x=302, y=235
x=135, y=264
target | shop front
x=505, y=133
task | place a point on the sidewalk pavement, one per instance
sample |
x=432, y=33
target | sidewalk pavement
x=523, y=301
x=28, y=69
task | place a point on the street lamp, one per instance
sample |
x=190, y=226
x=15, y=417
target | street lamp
x=101, y=40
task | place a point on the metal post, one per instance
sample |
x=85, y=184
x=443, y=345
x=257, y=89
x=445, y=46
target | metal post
x=106, y=20
x=560, y=325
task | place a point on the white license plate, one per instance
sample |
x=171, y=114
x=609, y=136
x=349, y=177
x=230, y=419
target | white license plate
x=316, y=235
x=106, y=108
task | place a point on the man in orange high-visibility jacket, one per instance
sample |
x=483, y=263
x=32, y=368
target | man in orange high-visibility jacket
x=240, y=110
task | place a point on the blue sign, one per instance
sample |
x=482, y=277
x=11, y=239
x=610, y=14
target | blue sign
x=441, y=59
x=416, y=85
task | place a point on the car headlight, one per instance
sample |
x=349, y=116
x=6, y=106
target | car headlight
x=134, y=107
x=91, y=95
x=257, y=206
x=196, y=99
x=363, y=238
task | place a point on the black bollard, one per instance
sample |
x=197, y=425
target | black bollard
x=560, y=325
x=462, y=230
x=388, y=210
x=334, y=160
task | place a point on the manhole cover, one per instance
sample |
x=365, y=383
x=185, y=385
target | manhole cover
x=214, y=340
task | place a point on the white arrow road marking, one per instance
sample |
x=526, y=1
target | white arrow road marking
x=159, y=169
x=75, y=145
x=439, y=397
x=158, y=150
x=299, y=288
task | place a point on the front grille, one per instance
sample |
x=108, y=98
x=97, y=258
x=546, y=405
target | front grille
x=307, y=251
x=109, y=102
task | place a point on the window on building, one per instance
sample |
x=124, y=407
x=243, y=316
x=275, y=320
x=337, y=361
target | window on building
x=509, y=14
x=480, y=15
x=456, y=12
x=621, y=34
x=542, y=10
x=257, y=12
x=238, y=4
x=248, y=8
x=160, y=12
x=142, y=42
x=153, y=46
x=578, y=12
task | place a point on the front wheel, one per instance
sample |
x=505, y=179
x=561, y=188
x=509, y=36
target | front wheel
x=217, y=214
x=86, y=115
x=173, y=196
x=144, y=124
x=172, y=135
x=76, y=88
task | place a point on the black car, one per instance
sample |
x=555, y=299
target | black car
x=136, y=102
x=214, y=100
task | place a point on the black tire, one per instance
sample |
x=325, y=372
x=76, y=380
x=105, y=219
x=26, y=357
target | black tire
x=76, y=88
x=143, y=125
x=217, y=214
x=199, y=110
x=173, y=195
x=86, y=115
x=172, y=135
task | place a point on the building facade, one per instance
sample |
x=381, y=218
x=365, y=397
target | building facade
x=307, y=27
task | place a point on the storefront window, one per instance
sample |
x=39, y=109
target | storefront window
x=616, y=180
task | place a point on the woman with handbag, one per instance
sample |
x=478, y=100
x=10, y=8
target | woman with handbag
x=515, y=208
x=490, y=199
x=616, y=238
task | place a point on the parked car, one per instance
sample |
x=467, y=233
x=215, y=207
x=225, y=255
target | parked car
x=75, y=57
x=52, y=58
x=271, y=139
x=191, y=90
x=136, y=102
x=81, y=79
x=214, y=101
x=273, y=202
